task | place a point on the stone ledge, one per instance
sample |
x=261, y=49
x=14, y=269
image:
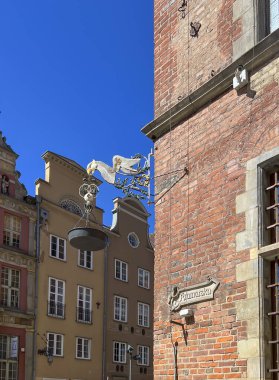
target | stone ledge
x=255, y=57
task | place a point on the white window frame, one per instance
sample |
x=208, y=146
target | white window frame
x=12, y=228
x=143, y=314
x=133, y=240
x=55, y=342
x=122, y=352
x=58, y=297
x=273, y=15
x=12, y=292
x=143, y=278
x=83, y=340
x=120, y=309
x=85, y=253
x=57, y=253
x=143, y=352
x=121, y=276
x=85, y=304
x=11, y=363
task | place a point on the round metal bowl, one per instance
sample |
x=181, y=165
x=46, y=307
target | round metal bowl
x=87, y=239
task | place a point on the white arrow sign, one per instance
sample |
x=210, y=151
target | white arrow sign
x=193, y=294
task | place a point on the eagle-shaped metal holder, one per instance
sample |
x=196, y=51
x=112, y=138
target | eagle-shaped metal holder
x=83, y=237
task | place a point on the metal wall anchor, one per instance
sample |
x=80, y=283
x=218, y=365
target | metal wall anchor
x=182, y=9
x=195, y=27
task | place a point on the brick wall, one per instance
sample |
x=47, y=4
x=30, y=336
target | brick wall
x=196, y=220
x=182, y=62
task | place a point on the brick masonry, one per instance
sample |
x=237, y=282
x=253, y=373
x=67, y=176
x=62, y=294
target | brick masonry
x=183, y=63
x=207, y=222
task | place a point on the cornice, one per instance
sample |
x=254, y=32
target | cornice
x=221, y=82
x=68, y=163
x=16, y=205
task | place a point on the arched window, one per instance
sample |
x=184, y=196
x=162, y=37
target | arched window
x=71, y=206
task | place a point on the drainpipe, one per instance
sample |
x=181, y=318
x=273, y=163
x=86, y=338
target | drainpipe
x=37, y=260
x=175, y=375
x=104, y=357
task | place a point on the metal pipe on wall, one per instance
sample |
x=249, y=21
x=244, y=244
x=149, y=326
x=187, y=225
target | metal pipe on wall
x=37, y=260
x=104, y=369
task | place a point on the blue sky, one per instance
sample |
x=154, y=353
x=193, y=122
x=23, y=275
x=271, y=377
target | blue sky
x=77, y=79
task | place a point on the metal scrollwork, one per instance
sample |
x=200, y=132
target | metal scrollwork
x=136, y=171
x=88, y=191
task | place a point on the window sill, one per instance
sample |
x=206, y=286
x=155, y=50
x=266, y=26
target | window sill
x=80, y=266
x=84, y=322
x=117, y=321
x=143, y=287
x=14, y=249
x=55, y=316
x=16, y=312
x=119, y=279
x=119, y=362
x=268, y=252
x=57, y=258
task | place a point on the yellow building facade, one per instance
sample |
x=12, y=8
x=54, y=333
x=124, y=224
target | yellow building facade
x=94, y=314
x=70, y=289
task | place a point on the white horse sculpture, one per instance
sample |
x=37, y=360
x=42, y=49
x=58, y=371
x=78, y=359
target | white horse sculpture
x=120, y=165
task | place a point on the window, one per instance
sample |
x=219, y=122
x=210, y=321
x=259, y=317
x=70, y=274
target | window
x=274, y=14
x=84, y=305
x=119, y=352
x=143, y=352
x=143, y=314
x=133, y=240
x=71, y=206
x=85, y=259
x=57, y=247
x=10, y=283
x=268, y=17
x=56, y=296
x=8, y=357
x=120, y=309
x=143, y=278
x=121, y=270
x=55, y=344
x=270, y=205
x=83, y=348
x=273, y=287
x=272, y=191
x=12, y=230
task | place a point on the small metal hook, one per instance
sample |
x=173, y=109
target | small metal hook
x=182, y=8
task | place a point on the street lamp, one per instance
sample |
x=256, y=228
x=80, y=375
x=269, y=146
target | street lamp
x=130, y=350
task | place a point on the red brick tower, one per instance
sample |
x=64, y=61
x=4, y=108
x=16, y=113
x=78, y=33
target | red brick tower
x=216, y=135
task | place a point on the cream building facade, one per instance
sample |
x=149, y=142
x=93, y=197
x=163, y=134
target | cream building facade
x=70, y=287
x=92, y=306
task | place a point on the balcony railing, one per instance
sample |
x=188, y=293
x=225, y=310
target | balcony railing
x=56, y=309
x=84, y=315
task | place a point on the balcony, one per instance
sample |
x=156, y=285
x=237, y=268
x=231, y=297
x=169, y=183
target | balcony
x=56, y=309
x=83, y=315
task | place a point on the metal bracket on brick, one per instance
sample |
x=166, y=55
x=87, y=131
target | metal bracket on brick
x=182, y=8
x=195, y=27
